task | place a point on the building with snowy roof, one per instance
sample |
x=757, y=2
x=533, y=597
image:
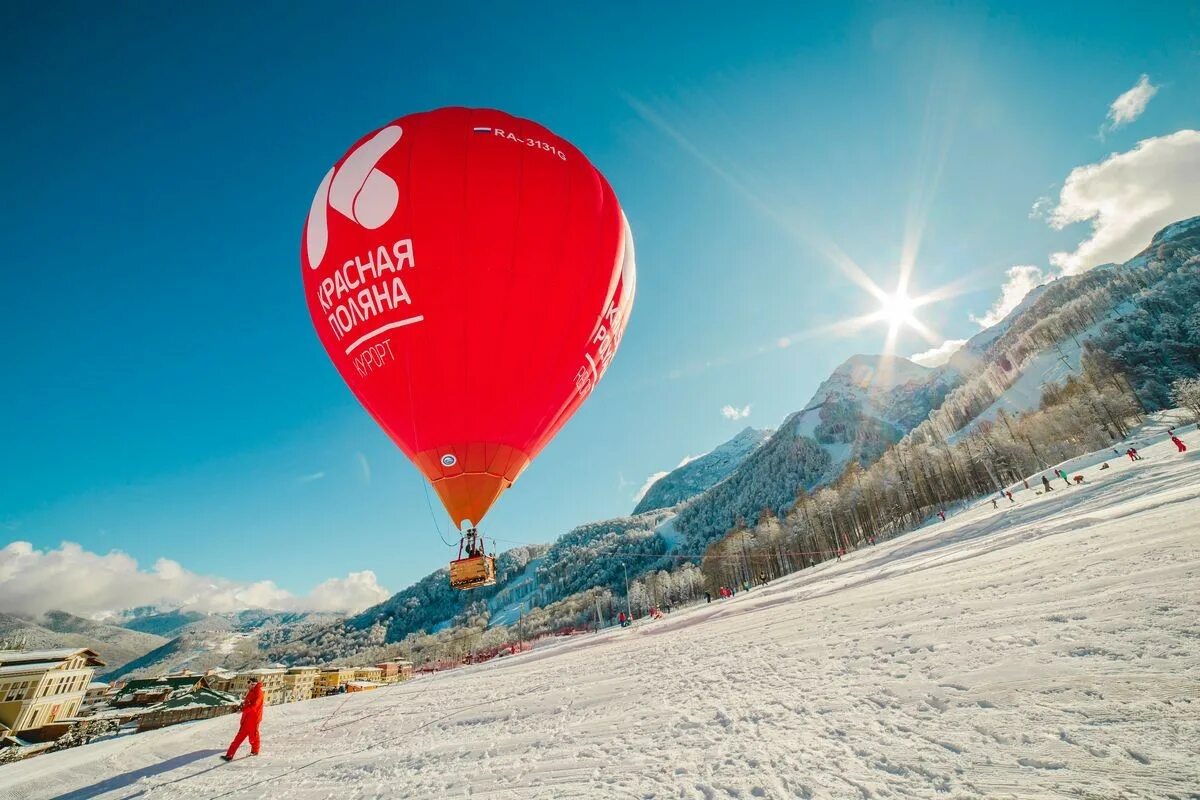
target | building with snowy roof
x=362, y=686
x=42, y=687
x=146, y=692
x=95, y=696
x=198, y=703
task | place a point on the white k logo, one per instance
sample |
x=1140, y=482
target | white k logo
x=357, y=191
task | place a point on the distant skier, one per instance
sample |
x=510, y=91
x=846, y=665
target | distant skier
x=942, y=514
x=1179, y=444
x=1063, y=475
x=1008, y=494
x=1046, y=483
x=708, y=597
x=252, y=711
x=621, y=619
x=994, y=503
x=1136, y=457
x=1129, y=453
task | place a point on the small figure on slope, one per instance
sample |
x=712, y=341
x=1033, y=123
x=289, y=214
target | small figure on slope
x=1046, y=483
x=252, y=711
x=1179, y=444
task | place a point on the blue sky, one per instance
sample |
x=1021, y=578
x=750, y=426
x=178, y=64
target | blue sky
x=165, y=395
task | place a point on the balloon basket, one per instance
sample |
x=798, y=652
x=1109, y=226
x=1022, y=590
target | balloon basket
x=473, y=572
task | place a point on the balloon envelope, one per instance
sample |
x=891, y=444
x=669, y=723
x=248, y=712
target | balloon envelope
x=470, y=274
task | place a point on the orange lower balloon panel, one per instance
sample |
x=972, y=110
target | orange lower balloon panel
x=469, y=478
x=469, y=496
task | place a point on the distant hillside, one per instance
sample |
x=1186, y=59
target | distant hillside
x=163, y=624
x=1140, y=316
x=865, y=406
x=231, y=641
x=115, y=645
x=700, y=474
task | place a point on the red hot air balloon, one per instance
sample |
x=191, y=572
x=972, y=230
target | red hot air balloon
x=470, y=274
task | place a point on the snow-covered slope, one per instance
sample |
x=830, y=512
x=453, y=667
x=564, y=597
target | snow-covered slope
x=969, y=356
x=1047, y=649
x=1044, y=339
x=695, y=476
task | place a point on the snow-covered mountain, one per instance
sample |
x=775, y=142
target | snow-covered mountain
x=1139, y=316
x=699, y=474
x=201, y=641
x=866, y=405
x=116, y=645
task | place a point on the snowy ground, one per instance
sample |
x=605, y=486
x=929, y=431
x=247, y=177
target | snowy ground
x=1046, y=649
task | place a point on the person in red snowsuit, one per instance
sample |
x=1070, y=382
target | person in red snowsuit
x=252, y=711
x=1179, y=444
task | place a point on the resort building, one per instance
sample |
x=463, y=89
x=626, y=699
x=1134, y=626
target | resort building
x=372, y=674
x=395, y=670
x=274, y=688
x=40, y=687
x=145, y=692
x=332, y=678
x=197, y=703
x=220, y=680
x=299, y=682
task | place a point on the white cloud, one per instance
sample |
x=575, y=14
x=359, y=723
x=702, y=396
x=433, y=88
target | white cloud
x=314, y=476
x=1020, y=280
x=1128, y=197
x=1042, y=207
x=356, y=591
x=90, y=584
x=366, y=467
x=1130, y=105
x=729, y=412
x=939, y=355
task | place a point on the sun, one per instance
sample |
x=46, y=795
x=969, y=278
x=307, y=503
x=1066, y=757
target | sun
x=897, y=309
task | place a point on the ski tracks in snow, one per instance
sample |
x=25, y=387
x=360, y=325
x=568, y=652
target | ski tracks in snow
x=1049, y=648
